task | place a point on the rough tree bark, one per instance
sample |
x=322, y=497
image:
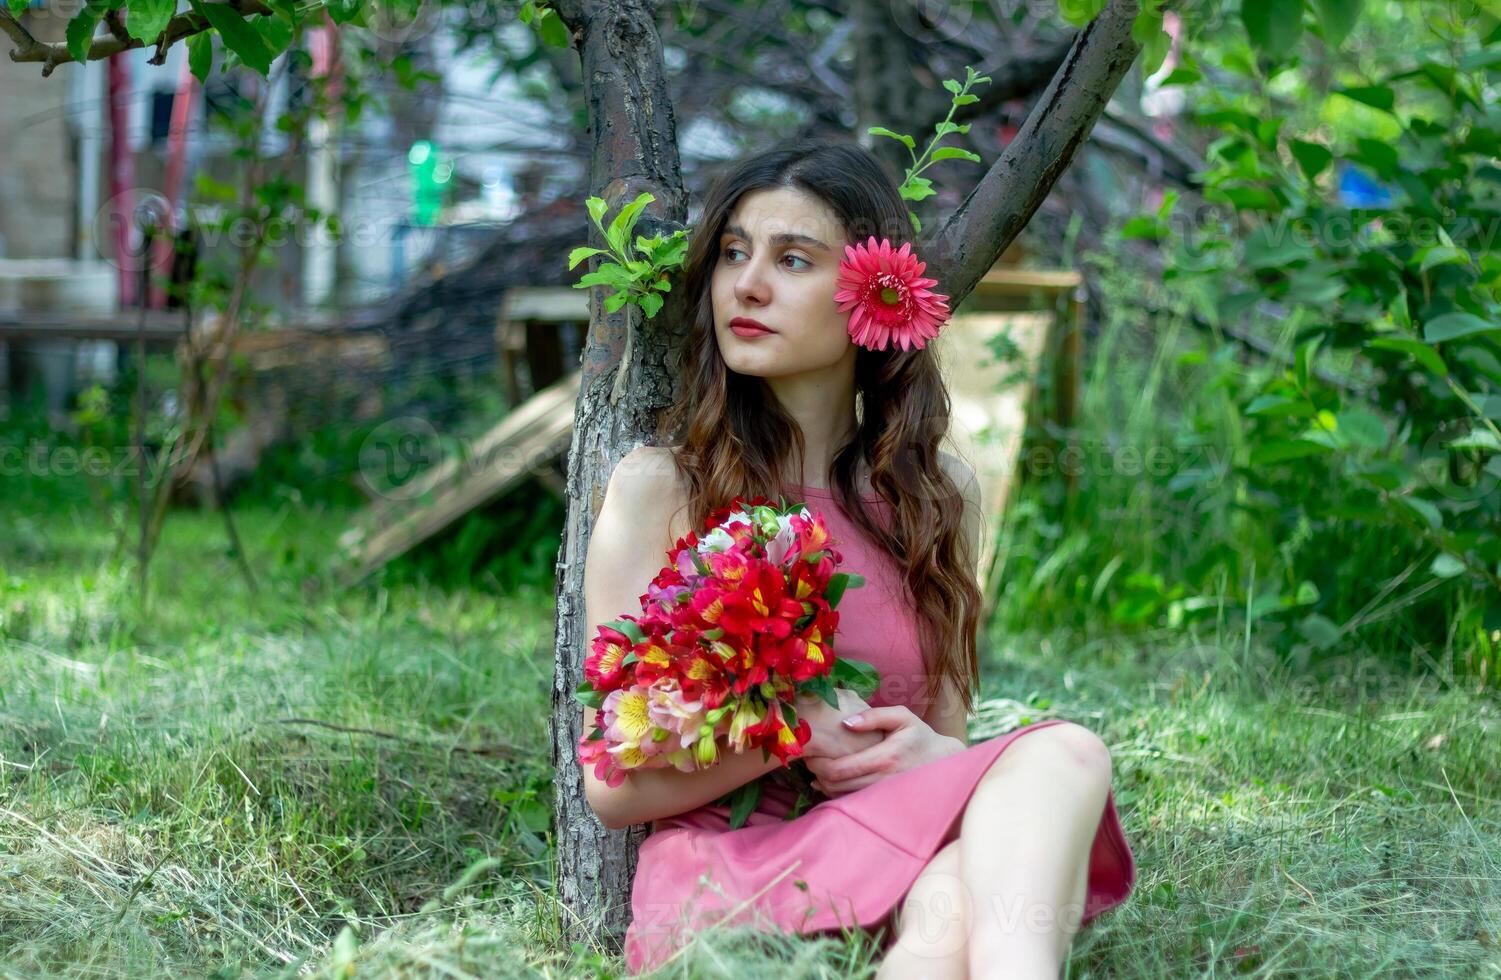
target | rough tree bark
x=633, y=149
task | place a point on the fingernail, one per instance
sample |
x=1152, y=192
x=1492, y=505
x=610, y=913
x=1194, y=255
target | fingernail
x=852, y=721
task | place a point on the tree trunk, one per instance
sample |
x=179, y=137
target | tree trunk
x=633, y=149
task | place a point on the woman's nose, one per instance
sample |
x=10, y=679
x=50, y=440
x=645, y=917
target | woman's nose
x=751, y=285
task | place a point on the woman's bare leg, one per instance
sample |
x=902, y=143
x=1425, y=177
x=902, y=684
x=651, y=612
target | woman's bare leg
x=932, y=927
x=1024, y=847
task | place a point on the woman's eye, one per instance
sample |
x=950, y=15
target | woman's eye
x=731, y=250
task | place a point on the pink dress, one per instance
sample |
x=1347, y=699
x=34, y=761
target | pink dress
x=845, y=862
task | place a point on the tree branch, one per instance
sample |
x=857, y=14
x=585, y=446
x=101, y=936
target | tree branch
x=29, y=49
x=967, y=244
x=1015, y=76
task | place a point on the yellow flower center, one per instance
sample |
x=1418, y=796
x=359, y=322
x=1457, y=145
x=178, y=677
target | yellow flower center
x=635, y=719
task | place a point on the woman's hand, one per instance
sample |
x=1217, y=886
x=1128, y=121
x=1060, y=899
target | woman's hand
x=906, y=743
x=830, y=738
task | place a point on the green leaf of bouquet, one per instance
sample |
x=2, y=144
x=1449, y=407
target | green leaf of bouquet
x=651, y=303
x=629, y=628
x=857, y=675
x=823, y=687
x=838, y=582
x=744, y=802
x=587, y=695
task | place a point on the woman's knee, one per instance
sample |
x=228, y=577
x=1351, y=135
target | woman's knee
x=1068, y=743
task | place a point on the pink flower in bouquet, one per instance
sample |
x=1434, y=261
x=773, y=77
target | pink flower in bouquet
x=595, y=752
x=626, y=720
x=887, y=297
x=779, y=547
x=670, y=710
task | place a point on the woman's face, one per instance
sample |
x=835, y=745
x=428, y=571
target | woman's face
x=777, y=264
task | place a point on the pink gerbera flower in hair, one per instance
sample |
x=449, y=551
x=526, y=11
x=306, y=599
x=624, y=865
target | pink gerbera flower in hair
x=887, y=298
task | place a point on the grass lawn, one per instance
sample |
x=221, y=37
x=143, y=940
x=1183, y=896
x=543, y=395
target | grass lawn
x=221, y=786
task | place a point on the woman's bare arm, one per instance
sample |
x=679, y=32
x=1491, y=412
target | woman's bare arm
x=629, y=544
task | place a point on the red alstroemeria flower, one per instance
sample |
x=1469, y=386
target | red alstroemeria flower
x=761, y=604
x=887, y=297
x=784, y=742
x=654, y=660
x=604, y=666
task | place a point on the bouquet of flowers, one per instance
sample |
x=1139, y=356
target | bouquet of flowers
x=737, y=624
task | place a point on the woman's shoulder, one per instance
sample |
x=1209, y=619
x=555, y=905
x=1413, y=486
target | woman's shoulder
x=649, y=483
x=648, y=469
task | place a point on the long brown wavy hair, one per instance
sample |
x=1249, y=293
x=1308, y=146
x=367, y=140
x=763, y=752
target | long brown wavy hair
x=728, y=427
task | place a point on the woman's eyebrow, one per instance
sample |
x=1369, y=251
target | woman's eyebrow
x=785, y=238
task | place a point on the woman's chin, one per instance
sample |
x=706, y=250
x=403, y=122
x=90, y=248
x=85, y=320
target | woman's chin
x=749, y=364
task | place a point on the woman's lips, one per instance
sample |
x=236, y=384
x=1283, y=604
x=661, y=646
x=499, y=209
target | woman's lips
x=744, y=328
